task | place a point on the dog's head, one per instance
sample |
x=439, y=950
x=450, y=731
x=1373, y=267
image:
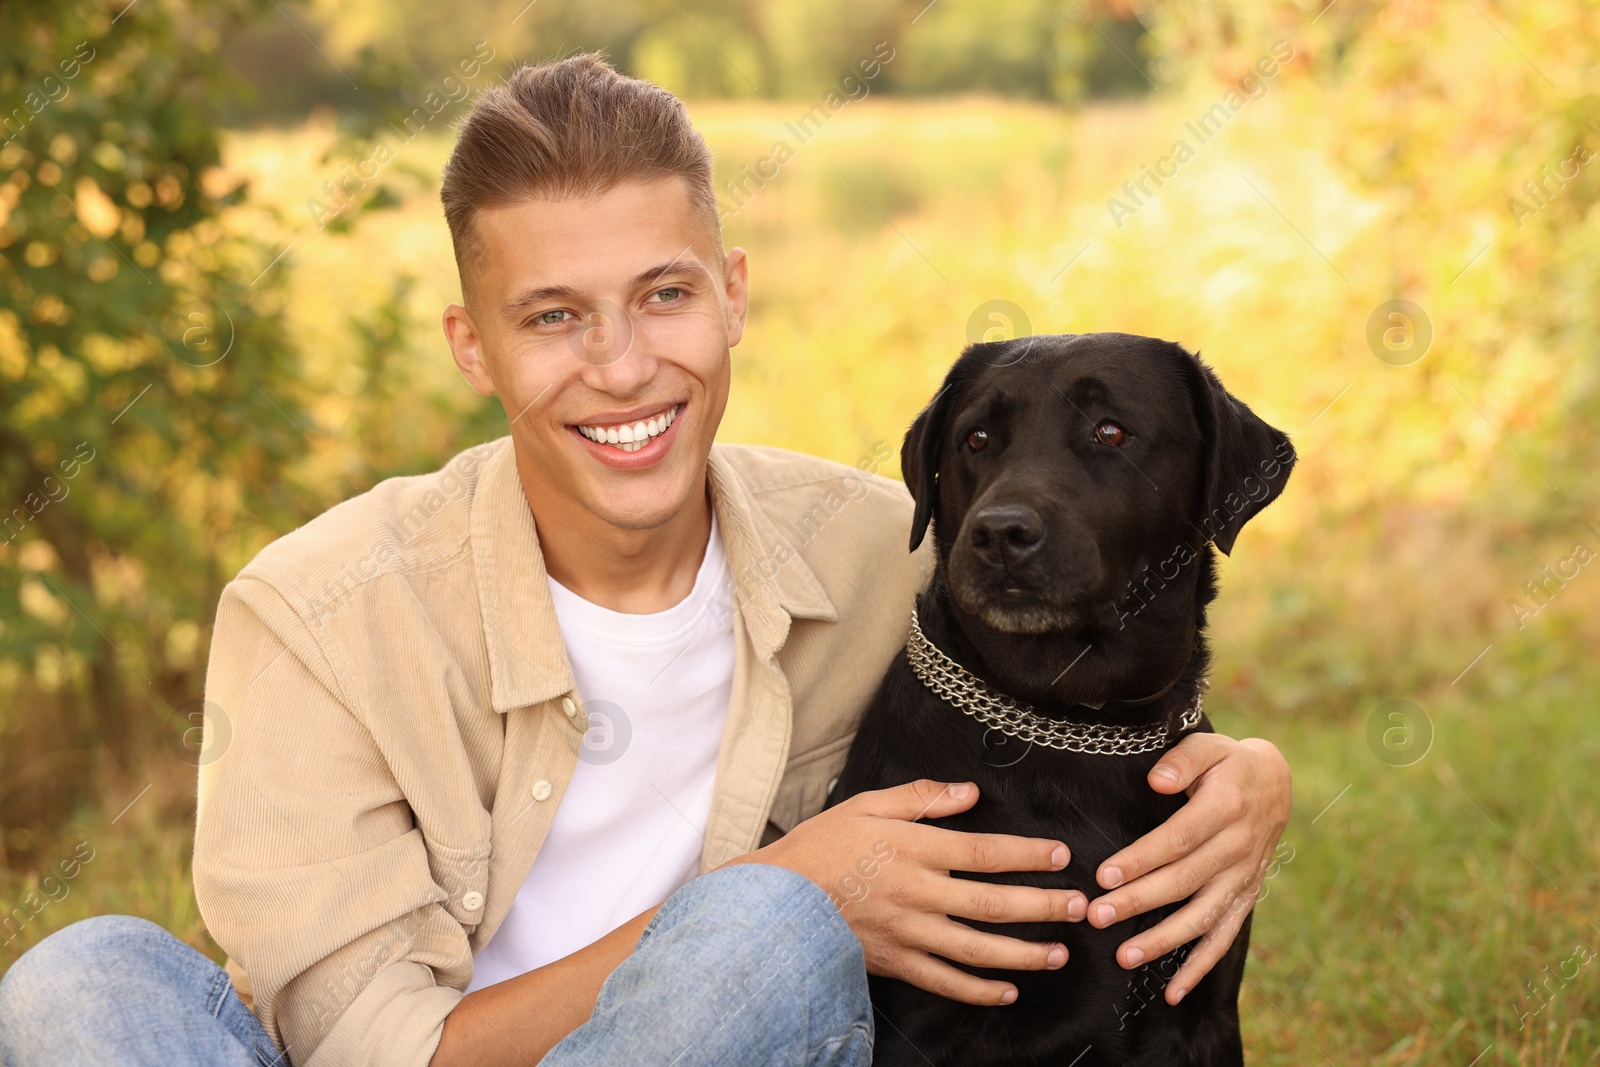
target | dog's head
x=1057, y=470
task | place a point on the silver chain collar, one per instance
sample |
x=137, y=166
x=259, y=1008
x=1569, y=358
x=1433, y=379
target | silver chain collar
x=965, y=691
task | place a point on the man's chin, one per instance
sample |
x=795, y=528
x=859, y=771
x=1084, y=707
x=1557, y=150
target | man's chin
x=642, y=506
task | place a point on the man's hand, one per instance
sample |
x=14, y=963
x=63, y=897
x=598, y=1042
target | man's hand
x=1216, y=849
x=890, y=877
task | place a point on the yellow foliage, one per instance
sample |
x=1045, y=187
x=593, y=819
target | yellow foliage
x=879, y=244
x=99, y=215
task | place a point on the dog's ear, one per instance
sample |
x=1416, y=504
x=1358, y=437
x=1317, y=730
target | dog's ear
x=919, y=455
x=919, y=460
x=1247, y=461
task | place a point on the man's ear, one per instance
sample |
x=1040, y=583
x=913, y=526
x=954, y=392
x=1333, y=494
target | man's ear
x=1247, y=461
x=466, y=345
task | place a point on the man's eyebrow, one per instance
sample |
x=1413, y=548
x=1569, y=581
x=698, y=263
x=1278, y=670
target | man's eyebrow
x=677, y=265
x=531, y=297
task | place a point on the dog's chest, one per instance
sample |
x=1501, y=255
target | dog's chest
x=1095, y=804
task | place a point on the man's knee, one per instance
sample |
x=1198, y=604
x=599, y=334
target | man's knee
x=783, y=909
x=778, y=936
x=78, y=961
x=42, y=982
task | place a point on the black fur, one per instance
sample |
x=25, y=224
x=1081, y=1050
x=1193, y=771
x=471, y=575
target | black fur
x=1056, y=549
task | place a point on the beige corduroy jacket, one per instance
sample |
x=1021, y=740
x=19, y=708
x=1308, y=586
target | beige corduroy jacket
x=391, y=723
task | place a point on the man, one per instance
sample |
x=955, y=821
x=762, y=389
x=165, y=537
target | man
x=527, y=754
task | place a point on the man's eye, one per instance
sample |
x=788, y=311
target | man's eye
x=671, y=294
x=550, y=318
x=1110, y=433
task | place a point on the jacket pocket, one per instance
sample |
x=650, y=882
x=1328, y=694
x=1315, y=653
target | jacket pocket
x=463, y=874
x=803, y=790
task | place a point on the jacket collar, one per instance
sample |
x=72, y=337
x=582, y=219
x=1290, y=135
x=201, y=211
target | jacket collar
x=773, y=584
x=527, y=657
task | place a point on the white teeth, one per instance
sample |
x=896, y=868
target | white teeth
x=633, y=436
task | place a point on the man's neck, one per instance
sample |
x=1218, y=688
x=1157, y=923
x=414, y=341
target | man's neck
x=633, y=571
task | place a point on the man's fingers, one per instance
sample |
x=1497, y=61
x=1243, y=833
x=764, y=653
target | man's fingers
x=952, y=983
x=1192, y=825
x=1165, y=885
x=961, y=943
x=921, y=799
x=1212, y=947
x=1207, y=910
x=959, y=850
x=994, y=903
x=1188, y=760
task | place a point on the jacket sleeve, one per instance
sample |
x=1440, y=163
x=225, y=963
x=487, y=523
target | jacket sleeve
x=308, y=868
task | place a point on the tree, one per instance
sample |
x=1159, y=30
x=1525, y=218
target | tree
x=147, y=389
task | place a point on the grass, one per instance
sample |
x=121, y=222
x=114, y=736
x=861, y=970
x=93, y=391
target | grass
x=1426, y=906
x=1423, y=911
x=1430, y=913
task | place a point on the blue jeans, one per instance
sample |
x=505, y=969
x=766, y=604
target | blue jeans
x=747, y=964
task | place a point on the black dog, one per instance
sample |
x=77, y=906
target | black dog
x=1075, y=484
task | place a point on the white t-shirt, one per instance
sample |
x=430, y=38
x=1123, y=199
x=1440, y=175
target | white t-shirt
x=632, y=822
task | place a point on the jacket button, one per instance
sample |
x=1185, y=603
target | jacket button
x=472, y=900
x=541, y=789
x=569, y=706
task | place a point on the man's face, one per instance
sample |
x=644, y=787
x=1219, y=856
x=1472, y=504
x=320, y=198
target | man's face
x=604, y=326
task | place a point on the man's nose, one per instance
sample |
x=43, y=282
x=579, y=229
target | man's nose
x=615, y=350
x=1005, y=534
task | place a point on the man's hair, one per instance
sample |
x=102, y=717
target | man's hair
x=571, y=129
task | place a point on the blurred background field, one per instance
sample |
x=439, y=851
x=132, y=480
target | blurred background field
x=217, y=346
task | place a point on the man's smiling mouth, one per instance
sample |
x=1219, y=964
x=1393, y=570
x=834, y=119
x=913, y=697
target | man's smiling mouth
x=631, y=436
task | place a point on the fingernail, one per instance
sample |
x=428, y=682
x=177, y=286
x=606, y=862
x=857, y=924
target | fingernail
x=1057, y=957
x=1058, y=856
x=1111, y=877
x=1008, y=996
x=1177, y=994
x=960, y=790
x=1135, y=956
x=1105, y=913
x=1164, y=771
x=1077, y=907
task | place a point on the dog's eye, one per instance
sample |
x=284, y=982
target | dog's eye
x=1110, y=433
x=977, y=439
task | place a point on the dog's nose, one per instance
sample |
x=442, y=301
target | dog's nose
x=1005, y=533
